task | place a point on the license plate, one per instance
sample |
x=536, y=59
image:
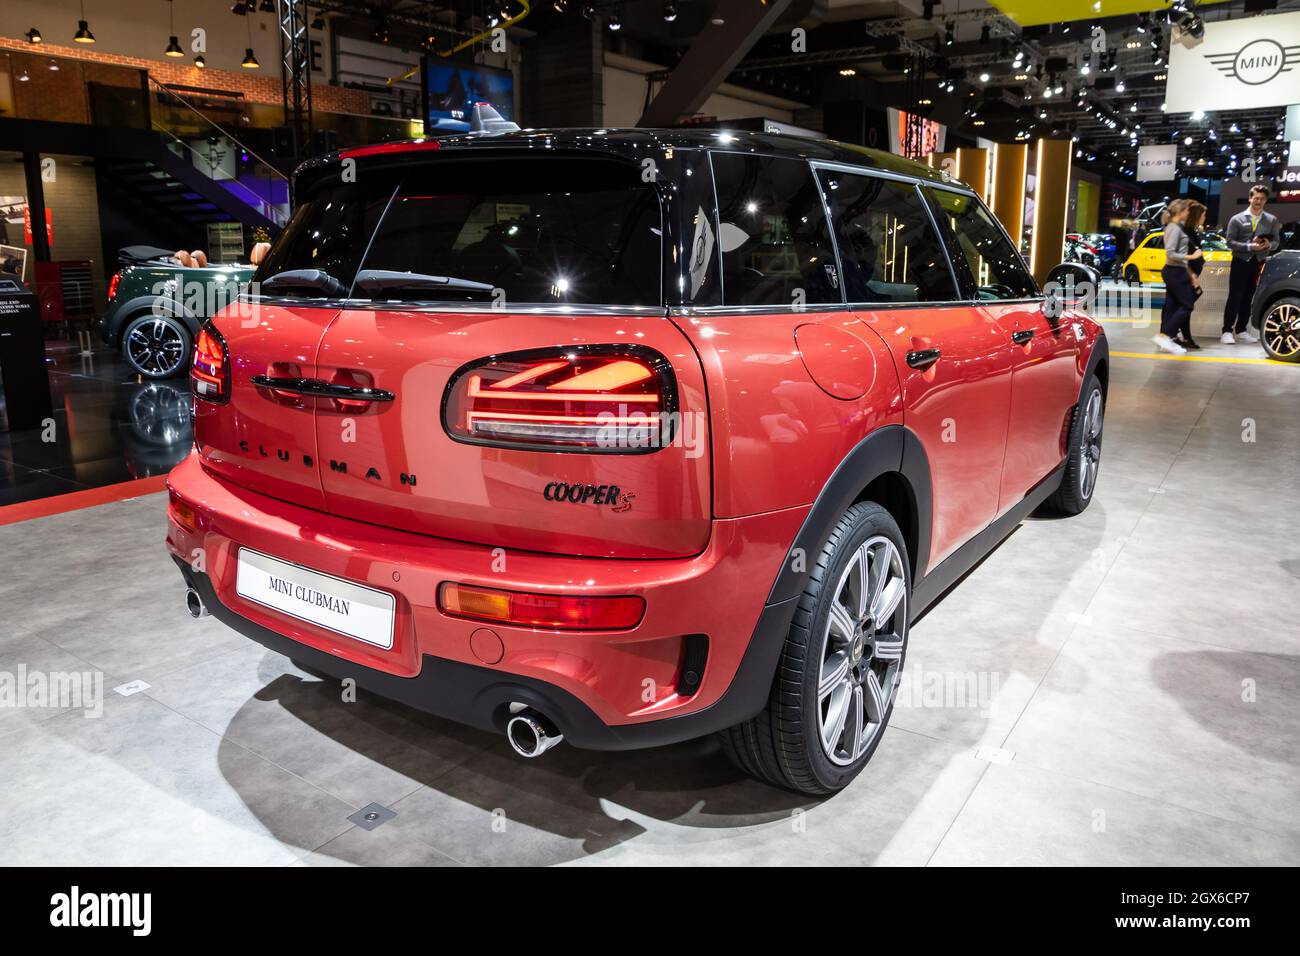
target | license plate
x=352, y=610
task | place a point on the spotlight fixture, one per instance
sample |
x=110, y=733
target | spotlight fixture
x=588, y=10
x=250, y=61
x=200, y=62
x=173, y=47
x=614, y=22
x=949, y=33
x=34, y=36
x=1189, y=30
x=1119, y=85
x=83, y=34
x=670, y=11
x=267, y=6
x=848, y=71
x=239, y=9
x=984, y=77
x=23, y=77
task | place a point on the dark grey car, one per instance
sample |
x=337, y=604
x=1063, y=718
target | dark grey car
x=1275, y=310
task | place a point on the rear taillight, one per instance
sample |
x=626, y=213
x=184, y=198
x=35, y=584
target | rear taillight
x=181, y=513
x=616, y=399
x=210, y=370
x=113, y=283
x=553, y=611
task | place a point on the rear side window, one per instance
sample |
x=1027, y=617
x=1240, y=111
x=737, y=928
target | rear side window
x=329, y=230
x=994, y=263
x=540, y=231
x=889, y=251
x=772, y=229
x=1156, y=241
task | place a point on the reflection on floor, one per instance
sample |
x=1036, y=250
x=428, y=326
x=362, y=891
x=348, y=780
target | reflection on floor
x=109, y=426
x=1117, y=688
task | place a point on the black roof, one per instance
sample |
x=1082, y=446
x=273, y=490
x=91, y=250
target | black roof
x=637, y=143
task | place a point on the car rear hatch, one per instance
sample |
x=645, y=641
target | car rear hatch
x=474, y=347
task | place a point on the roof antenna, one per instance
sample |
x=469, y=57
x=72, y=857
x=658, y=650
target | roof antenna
x=486, y=119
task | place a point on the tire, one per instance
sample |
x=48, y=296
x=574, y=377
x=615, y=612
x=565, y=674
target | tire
x=1131, y=276
x=1083, y=461
x=1279, y=330
x=156, y=346
x=785, y=744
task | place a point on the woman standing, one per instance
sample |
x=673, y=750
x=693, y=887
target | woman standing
x=1180, y=295
x=1195, y=229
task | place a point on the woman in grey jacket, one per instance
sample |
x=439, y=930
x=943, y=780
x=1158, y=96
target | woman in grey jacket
x=1180, y=296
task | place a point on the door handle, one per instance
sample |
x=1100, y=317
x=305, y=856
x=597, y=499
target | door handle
x=315, y=387
x=1022, y=337
x=922, y=358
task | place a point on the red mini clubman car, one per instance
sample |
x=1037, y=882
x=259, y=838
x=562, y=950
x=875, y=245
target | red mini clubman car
x=625, y=437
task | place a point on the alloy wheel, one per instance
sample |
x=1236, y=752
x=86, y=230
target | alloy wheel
x=1090, y=445
x=156, y=347
x=1280, y=330
x=862, y=650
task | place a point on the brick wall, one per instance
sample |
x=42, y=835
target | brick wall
x=257, y=86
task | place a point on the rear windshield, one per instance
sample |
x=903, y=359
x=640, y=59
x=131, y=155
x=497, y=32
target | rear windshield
x=540, y=231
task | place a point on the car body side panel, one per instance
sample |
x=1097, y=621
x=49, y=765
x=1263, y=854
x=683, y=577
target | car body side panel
x=958, y=407
x=1044, y=385
x=777, y=435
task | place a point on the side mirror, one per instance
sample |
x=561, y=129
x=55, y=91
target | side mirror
x=1071, y=285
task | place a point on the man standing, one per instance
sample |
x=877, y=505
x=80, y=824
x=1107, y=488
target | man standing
x=1253, y=236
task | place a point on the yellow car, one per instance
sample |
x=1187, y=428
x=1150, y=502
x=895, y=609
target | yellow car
x=1148, y=258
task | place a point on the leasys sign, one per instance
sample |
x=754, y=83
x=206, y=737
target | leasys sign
x=1242, y=63
x=1157, y=163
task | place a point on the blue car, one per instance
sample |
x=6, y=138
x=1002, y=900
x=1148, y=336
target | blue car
x=1107, y=252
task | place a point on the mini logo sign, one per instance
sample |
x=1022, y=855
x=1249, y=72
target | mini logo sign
x=1258, y=62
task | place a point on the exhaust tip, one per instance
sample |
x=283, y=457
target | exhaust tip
x=531, y=735
x=194, y=604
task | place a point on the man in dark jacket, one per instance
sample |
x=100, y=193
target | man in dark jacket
x=1253, y=236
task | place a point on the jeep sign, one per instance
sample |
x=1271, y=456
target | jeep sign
x=1157, y=163
x=1253, y=61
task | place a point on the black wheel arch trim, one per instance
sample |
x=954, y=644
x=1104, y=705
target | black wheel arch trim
x=890, y=449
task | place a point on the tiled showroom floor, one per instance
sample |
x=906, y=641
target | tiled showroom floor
x=1137, y=672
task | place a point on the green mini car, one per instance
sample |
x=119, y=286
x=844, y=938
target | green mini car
x=155, y=306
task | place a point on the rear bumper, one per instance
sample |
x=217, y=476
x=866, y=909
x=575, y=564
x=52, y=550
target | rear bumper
x=604, y=690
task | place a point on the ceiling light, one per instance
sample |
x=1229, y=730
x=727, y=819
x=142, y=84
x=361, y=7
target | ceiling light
x=54, y=66
x=200, y=62
x=34, y=36
x=614, y=22
x=670, y=11
x=250, y=61
x=984, y=77
x=83, y=34
x=848, y=71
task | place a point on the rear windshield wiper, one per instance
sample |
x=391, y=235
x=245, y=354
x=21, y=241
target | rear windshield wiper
x=381, y=280
x=315, y=279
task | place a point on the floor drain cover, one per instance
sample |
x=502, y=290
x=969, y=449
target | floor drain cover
x=371, y=816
